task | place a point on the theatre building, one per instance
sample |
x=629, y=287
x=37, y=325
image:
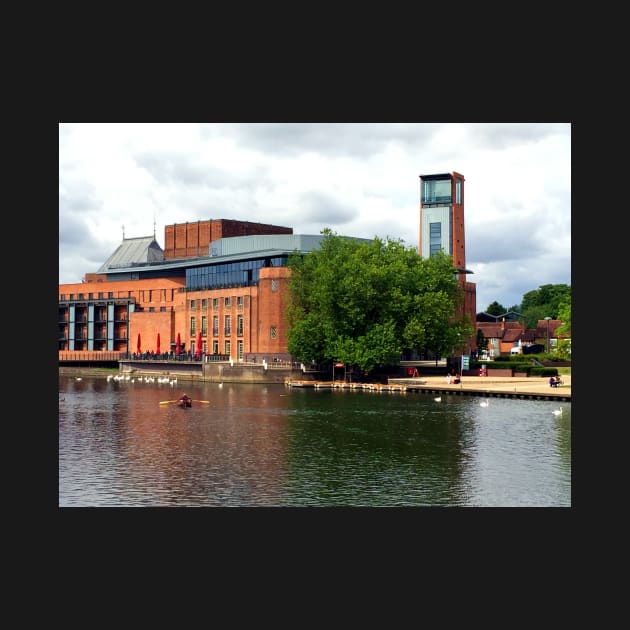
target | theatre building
x=218, y=290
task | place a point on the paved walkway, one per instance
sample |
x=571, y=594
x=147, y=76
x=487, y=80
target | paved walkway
x=515, y=386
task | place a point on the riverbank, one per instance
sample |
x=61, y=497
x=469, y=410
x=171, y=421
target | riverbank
x=507, y=387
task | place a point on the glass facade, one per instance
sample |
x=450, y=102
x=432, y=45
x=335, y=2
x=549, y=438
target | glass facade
x=237, y=274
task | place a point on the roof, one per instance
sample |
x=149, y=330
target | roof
x=541, y=327
x=237, y=246
x=509, y=316
x=142, y=249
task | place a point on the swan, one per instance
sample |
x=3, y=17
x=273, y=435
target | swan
x=438, y=399
x=484, y=403
x=557, y=412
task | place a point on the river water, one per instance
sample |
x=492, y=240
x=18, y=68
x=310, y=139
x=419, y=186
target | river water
x=125, y=444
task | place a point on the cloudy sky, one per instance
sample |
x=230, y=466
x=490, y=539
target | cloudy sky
x=359, y=179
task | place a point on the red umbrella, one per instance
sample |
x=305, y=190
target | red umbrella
x=178, y=345
x=199, y=346
x=139, y=345
x=158, y=344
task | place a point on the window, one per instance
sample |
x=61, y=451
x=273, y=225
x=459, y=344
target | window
x=239, y=325
x=226, y=302
x=458, y=191
x=274, y=285
x=193, y=327
x=193, y=305
x=204, y=305
x=227, y=348
x=436, y=191
x=273, y=332
x=215, y=325
x=228, y=325
x=215, y=304
x=215, y=346
x=435, y=238
x=204, y=325
x=239, y=350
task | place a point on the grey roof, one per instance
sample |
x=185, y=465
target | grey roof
x=143, y=249
x=239, y=248
x=261, y=242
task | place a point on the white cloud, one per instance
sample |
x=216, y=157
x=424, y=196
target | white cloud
x=357, y=179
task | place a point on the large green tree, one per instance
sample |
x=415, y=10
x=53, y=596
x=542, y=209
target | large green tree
x=544, y=302
x=364, y=303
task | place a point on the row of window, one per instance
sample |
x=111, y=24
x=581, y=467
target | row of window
x=227, y=325
x=146, y=295
x=227, y=303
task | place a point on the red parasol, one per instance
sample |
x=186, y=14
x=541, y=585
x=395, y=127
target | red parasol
x=178, y=345
x=158, y=344
x=139, y=345
x=199, y=346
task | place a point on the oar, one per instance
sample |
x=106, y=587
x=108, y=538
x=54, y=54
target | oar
x=164, y=402
x=205, y=401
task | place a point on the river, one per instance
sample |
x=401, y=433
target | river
x=126, y=444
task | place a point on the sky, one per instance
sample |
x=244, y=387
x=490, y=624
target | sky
x=358, y=179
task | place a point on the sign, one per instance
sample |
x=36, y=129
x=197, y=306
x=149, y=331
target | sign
x=465, y=362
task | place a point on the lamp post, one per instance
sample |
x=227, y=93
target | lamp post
x=547, y=320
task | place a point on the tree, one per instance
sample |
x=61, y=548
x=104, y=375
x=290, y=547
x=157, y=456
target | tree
x=495, y=309
x=482, y=341
x=564, y=315
x=544, y=302
x=364, y=303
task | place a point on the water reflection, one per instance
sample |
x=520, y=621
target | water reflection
x=263, y=445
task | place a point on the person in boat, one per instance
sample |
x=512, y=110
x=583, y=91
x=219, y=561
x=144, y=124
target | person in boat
x=185, y=401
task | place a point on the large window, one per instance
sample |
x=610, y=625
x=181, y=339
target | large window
x=193, y=327
x=228, y=325
x=458, y=191
x=239, y=325
x=436, y=191
x=215, y=326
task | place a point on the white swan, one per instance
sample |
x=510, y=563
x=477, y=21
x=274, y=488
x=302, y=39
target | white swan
x=484, y=403
x=557, y=412
x=438, y=399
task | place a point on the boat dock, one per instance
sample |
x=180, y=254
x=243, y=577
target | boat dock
x=535, y=388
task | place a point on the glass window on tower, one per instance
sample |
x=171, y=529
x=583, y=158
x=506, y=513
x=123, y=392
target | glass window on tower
x=458, y=191
x=435, y=238
x=436, y=191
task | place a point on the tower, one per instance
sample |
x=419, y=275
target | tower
x=442, y=228
x=442, y=217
